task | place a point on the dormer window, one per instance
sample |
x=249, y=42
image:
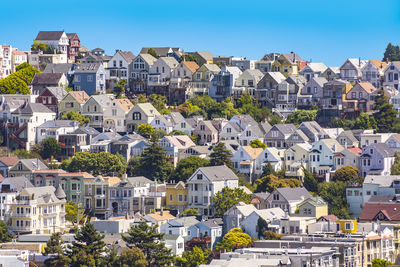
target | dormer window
x=202, y=127
x=199, y=176
x=229, y=130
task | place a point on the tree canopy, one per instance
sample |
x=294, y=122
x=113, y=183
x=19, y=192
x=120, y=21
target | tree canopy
x=395, y=169
x=103, y=163
x=234, y=239
x=54, y=249
x=50, y=148
x=269, y=182
x=334, y=193
x=256, y=143
x=75, y=116
x=220, y=155
x=346, y=174
x=302, y=115
x=227, y=198
x=193, y=258
x=187, y=166
x=380, y=263
x=120, y=88
x=392, y=53
x=150, y=242
x=145, y=130
x=386, y=115
x=18, y=82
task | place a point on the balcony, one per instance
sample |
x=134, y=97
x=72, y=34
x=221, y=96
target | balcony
x=19, y=215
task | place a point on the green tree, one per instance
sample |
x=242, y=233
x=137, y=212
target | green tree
x=50, y=148
x=152, y=52
x=18, y=82
x=71, y=212
x=103, y=163
x=261, y=226
x=346, y=174
x=256, y=143
x=392, y=53
x=89, y=241
x=270, y=182
x=385, y=116
x=145, y=130
x=380, y=263
x=150, y=242
x=234, y=239
x=302, y=115
x=365, y=122
x=274, y=119
x=4, y=234
x=25, y=154
x=190, y=212
x=133, y=257
x=153, y=163
x=340, y=123
x=188, y=57
x=82, y=259
x=227, y=108
x=187, y=166
x=193, y=258
x=220, y=155
x=268, y=169
x=120, y=88
x=75, y=116
x=269, y=235
x=227, y=198
x=334, y=193
x=54, y=249
x=158, y=101
x=395, y=169
x=310, y=183
x=177, y=132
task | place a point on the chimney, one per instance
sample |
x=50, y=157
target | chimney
x=359, y=61
x=162, y=211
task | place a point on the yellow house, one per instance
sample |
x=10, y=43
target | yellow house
x=288, y=64
x=347, y=226
x=177, y=196
x=313, y=207
x=38, y=210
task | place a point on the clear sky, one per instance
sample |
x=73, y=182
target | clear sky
x=317, y=30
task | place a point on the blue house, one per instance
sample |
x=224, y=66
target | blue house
x=90, y=77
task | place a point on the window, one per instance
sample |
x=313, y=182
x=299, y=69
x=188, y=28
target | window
x=199, y=176
x=77, y=78
x=114, y=112
x=90, y=78
x=137, y=116
x=180, y=198
x=170, y=197
x=348, y=226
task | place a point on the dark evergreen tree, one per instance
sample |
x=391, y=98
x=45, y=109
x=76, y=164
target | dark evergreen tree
x=221, y=156
x=55, y=251
x=133, y=257
x=89, y=241
x=4, y=234
x=392, y=53
x=150, y=242
x=385, y=116
x=310, y=183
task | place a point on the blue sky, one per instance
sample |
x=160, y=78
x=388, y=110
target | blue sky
x=317, y=30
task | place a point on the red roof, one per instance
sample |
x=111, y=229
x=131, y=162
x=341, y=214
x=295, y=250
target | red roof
x=330, y=217
x=389, y=211
x=355, y=150
x=9, y=161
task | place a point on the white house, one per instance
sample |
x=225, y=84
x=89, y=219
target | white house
x=321, y=156
x=141, y=113
x=117, y=68
x=114, y=117
x=54, y=128
x=55, y=39
x=205, y=183
x=391, y=75
x=250, y=223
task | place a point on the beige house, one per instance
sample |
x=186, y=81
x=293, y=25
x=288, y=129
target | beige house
x=74, y=100
x=97, y=196
x=37, y=210
x=296, y=157
x=115, y=116
x=141, y=113
x=26, y=167
x=313, y=207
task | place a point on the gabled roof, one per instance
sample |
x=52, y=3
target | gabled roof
x=253, y=152
x=277, y=76
x=185, y=221
x=18, y=182
x=148, y=109
x=87, y=68
x=80, y=96
x=176, y=117
x=30, y=108
x=59, y=123
x=9, y=161
x=330, y=217
x=58, y=92
x=170, y=61
x=71, y=35
x=317, y=66
x=320, y=80
x=206, y=55
x=49, y=35
x=33, y=164
x=367, y=86
x=212, y=67
x=294, y=194
x=380, y=65
x=160, y=51
x=218, y=173
x=102, y=100
x=58, y=68
x=46, y=78
x=285, y=129
x=161, y=215
x=191, y=65
x=148, y=58
x=213, y=223
x=244, y=209
x=87, y=130
x=292, y=57
x=384, y=149
x=139, y=181
x=389, y=210
x=358, y=63
x=315, y=201
x=124, y=103
x=271, y=214
x=127, y=55
x=43, y=194
x=180, y=141
x=355, y=150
